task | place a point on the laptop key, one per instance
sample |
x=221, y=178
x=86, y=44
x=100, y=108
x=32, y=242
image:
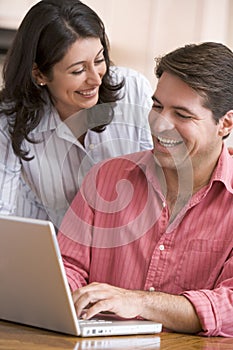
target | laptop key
x=93, y=320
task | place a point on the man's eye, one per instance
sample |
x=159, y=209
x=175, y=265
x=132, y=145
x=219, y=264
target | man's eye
x=183, y=116
x=157, y=107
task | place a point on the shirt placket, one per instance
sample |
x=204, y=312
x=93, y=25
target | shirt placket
x=158, y=259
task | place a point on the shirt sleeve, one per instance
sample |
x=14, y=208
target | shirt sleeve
x=140, y=92
x=137, y=94
x=74, y=238
x=214, y=306
x=10, y=169
x=75, y=259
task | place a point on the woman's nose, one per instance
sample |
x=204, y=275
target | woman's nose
x=94, y=77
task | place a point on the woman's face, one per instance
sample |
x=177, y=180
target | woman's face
x=76, y=79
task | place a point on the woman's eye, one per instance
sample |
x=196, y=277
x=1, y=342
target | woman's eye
x=77, y=72
x=100, y=60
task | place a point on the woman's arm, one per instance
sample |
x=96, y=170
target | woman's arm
x=10, y=169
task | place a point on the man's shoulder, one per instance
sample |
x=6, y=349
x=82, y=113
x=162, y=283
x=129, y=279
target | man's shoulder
x=122, y=163
x=107, y=175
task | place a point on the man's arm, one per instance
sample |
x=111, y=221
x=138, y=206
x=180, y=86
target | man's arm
x=173, y=311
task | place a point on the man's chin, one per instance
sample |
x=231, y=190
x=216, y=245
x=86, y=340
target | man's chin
x=172, y=163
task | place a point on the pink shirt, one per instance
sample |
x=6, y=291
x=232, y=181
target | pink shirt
x=117, y=231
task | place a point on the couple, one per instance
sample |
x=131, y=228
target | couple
x=149, y=234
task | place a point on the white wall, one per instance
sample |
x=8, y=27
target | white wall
x=13, y=11
x=141, y=30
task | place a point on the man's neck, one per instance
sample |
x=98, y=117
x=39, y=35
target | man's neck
x=178, y=186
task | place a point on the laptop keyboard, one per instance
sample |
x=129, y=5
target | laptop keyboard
x=93, y=321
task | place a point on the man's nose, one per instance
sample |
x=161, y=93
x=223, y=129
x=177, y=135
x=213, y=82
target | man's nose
x=159, y=122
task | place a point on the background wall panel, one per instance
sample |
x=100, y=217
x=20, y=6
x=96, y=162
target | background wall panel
x=140, y=30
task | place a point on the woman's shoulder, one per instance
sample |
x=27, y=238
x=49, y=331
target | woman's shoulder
x=4, y=120
x=137, y=89
x=119, y=72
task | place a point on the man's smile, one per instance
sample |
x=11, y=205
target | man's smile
x=167, y=142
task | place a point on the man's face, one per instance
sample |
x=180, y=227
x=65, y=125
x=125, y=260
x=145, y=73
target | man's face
x=182, y=128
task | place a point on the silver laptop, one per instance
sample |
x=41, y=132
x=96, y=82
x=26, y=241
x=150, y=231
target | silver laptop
x=34, y=289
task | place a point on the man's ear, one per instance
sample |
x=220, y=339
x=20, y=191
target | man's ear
x=39, y=78
x=226, y=124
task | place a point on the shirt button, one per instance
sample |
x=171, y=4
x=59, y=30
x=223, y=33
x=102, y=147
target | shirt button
x=91, y=146
x=164, y=204
x=161, y=247
x=151, y=289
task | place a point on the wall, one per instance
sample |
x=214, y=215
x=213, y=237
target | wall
x=140, y=30
x=12, y=12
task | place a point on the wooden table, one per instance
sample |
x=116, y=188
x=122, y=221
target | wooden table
x=14, y=336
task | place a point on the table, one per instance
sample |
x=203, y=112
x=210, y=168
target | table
x=14, y=336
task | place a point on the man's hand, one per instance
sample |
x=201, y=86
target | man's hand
x=100, y=297
x=173, y=311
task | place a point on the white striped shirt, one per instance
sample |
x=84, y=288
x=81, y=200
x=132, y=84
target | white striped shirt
x=45, y=186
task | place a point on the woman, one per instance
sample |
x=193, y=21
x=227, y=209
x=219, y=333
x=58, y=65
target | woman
x=64, y=107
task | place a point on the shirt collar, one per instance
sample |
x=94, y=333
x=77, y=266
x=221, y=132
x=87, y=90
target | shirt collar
x=224, y=170
x=49, y=121
x=222, y=173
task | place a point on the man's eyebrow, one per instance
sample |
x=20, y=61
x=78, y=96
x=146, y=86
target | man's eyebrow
x=182, y=108
x=154, y=99
x=81, y=62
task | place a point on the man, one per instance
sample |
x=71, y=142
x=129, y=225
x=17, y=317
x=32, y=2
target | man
x=150, y=234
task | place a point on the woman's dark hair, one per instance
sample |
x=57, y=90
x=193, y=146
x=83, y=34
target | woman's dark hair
x=46, y=33
x=208, y=69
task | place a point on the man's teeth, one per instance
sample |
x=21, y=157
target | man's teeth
x=168, y=142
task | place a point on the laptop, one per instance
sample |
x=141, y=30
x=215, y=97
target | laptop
x=34, y=288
